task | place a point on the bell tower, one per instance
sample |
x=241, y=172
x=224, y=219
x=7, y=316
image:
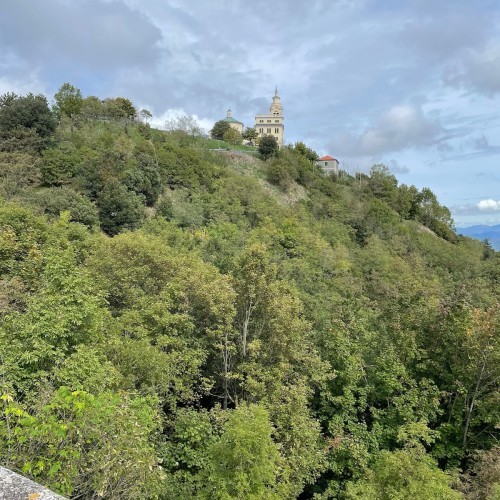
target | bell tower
x=272, y=123
x=276, y=108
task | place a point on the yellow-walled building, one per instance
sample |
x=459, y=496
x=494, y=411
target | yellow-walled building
x=233, y=123
x=272, y=123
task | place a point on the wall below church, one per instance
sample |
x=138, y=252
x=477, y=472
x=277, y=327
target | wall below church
x=237, y=126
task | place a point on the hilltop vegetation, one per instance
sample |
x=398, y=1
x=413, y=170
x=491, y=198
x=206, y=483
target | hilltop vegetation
x=183, y=323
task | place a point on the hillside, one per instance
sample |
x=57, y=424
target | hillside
x=178, y=322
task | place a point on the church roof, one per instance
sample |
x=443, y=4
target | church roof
x=326, y=158
x=230, y=119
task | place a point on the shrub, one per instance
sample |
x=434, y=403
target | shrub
x=233, y=136
x=268, y=146
x=53, y=201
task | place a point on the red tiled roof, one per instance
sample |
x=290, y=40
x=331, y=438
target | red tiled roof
x=327, y=158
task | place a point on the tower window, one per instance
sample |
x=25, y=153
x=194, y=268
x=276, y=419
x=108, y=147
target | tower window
x=276, y=121
x=261, y=121
x=261, y=130
x=268, y=121
x=268, y=130
x=276, y=130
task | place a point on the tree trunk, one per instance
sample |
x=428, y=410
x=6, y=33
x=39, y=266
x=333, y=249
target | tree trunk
x=470, y=407
x=225, y=364
x=244, y=333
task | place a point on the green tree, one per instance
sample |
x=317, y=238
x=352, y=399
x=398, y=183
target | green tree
x=244, y=461
x=280, y=173
x=382, y=183
x=87, y=369
x=119, y=108
x=305, y=151
x=65, y=312
x=59, y=165
x=268, y=146
x=403, y=474
x=433, y=215
x=219, y=129
x=21, y=139
x=164, y=207
x=464, y=357
x=232, y=136
x=18, y=171
x=92, y=108
x=30, y=111
x=83, y=445
x=406, y=201
x=250, y=134
x=186, y=455
x=23, y=235
x=69, y=100
x=182, y=307
x=144, y=178
x=119, y=208
x=54, y=201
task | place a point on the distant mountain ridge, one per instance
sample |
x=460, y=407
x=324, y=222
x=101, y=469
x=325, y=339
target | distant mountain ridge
x=482, y=232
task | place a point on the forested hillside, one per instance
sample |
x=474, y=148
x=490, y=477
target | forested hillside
x=177, y=322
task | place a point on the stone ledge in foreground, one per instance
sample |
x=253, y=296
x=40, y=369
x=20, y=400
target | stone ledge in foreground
x=16, y=487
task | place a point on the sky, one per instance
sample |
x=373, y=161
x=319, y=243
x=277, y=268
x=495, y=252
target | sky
x=413, y=84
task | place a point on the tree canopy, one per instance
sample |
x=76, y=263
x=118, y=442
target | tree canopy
x=179, y=322
x=219, y=129
x=25, y=112
x=268, y=146
x=68, y=100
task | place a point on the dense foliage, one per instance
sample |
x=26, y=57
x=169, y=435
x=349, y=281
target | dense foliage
x=182, y=323
x=219, y=129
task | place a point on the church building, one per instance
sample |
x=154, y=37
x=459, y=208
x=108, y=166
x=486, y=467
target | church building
x=233, y=123
x=272, y=123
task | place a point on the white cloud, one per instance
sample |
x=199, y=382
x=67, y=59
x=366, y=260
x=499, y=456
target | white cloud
x=485, y=206
x=489, y=205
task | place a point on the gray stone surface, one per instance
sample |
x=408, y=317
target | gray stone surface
x=16, y=487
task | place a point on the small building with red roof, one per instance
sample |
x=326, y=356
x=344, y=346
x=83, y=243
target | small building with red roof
x=328, y=164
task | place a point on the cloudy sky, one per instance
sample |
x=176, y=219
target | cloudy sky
x=414, y=84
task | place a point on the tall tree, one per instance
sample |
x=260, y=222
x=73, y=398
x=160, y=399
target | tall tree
x=250, y=134
x=30, y=111
x=404, y=474
x=233, y=137
x=244, y=462
x=145, y=115
x=219, y=129
x=268, y=146
x=69, y=100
